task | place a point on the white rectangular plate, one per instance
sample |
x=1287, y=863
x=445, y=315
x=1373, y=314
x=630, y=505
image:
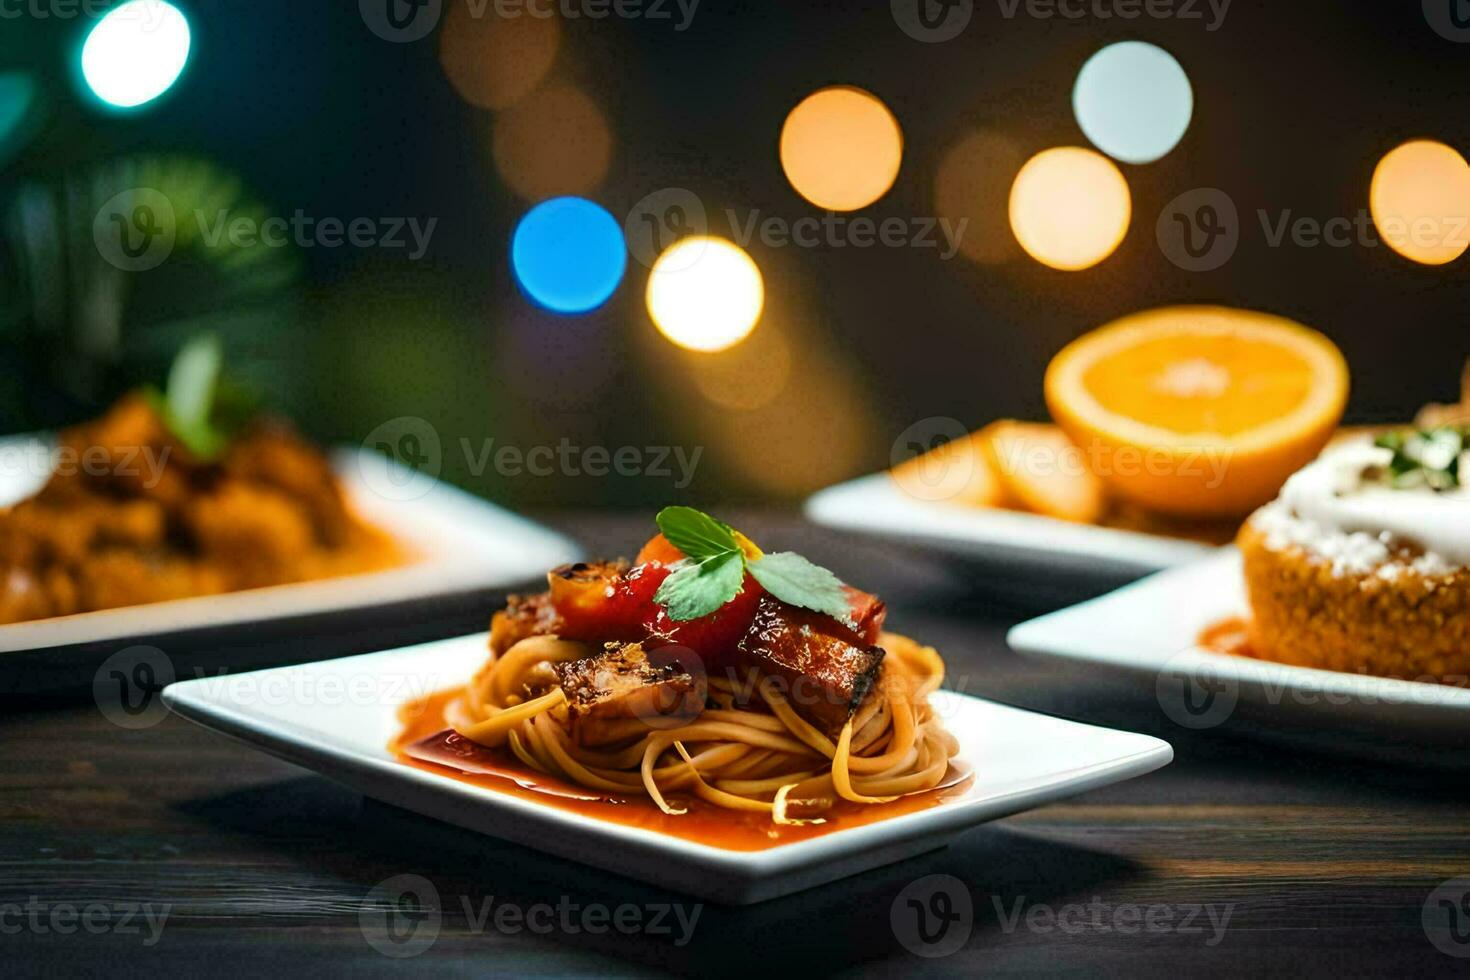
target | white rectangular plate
x=1021, y=760
x=1044, y=551
x=458, y=543
x=1149, y=631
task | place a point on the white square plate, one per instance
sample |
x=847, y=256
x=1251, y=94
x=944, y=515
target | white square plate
x=1149, y=632
x=457, y=543
x=1044, y=552
x=1021, y=760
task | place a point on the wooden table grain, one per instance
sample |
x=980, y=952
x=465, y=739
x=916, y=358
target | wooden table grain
x=168, y=850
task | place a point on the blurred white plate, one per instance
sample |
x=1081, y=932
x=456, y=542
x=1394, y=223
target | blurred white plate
x=1020, y=760
x=1049, y=553
x=1149, y=632
x=457, y=544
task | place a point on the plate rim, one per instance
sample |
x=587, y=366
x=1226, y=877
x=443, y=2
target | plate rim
x=190, y=699
x=956, y=526
x=1041, y=637
x=190, y=614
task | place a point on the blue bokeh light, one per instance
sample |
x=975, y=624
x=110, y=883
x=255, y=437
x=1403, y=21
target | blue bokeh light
x=568, y=254
x=1134, y=101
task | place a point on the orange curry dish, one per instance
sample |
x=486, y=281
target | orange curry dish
x=130, y=515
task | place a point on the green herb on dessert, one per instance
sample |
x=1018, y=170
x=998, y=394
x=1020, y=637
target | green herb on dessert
x=1423, y=458
x=716, y=560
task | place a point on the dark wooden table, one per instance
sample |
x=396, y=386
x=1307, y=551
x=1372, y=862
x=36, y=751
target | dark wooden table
x=1240, y=857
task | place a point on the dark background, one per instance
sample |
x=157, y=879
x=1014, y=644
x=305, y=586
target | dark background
x=1295, y=104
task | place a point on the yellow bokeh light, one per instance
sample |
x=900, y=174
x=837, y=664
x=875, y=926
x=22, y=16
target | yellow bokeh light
x=747, y=376
x=555, y=142
x=705, y=293
x=841, y=148
x=811, y=436
x=1420, y=200
x=494, y=62
x=974, y=185
x=1070, y=207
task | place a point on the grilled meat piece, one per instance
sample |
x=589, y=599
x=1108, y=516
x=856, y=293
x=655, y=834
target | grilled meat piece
x=623, y=692
x=824, y=668
x=523, y=616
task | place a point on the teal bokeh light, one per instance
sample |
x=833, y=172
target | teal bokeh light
x=136, y=52
x=568, y=254
x=1133, y=101
x=17, y=103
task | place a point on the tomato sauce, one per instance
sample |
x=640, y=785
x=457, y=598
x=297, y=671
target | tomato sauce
x=1229, y=636
x=426, y=742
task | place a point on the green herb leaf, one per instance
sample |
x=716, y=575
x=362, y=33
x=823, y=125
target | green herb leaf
x=794, y=580
x=698, y=588
x=696, y=533
x=1427, y=458
x=201, y=408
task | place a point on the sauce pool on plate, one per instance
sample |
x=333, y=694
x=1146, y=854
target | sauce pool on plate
x=427, y=742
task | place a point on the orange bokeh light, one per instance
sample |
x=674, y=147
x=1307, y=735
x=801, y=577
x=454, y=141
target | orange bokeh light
x=495, y=62
x=1420, y=200
x=1070, y=207
x=841, y=148
x=555, y=142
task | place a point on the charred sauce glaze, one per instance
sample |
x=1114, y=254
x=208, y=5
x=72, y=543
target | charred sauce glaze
x=426, y=742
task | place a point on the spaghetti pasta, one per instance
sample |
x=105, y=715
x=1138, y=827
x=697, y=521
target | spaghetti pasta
x=747, y=747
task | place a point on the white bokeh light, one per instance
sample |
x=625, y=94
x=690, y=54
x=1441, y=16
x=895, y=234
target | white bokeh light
x=1133, y=101
x=136, y=52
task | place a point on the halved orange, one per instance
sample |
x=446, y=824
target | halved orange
x=1198, y=411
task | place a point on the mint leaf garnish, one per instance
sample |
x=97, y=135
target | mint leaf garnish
x=797, y=582
x=716, y=565
x=698, y=588
x=696, y=533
